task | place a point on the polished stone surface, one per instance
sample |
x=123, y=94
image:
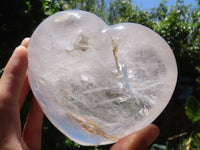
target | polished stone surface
x=98, y=83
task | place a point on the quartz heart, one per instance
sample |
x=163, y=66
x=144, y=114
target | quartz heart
x=98, y=83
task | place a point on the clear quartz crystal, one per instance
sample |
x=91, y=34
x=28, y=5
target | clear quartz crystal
x=98, y=83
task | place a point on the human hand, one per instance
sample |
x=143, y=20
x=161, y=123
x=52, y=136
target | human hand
x=14, y=88
x=139, y=140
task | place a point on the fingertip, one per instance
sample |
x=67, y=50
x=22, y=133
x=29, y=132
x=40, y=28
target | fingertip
x=156, y=128
x=25, y=42
x=20, y=54
x=154, y=132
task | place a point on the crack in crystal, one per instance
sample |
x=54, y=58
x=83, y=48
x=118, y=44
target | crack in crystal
x=121, y=69
x=92, y=128
x=115, y=49
x=81, y=44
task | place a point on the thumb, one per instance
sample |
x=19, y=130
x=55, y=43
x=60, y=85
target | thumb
x=139, y=140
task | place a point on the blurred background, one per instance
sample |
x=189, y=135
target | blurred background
x=177, y=21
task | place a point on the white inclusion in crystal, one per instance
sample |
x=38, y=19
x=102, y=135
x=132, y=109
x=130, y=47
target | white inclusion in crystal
x=81, y=43
x=120, y=27
x=144, y=111
x=61, y=18
x=120, y=85
x=84, y=78
x=104, y=30
x=130, y=74
x=123, y=99
x=64, y=17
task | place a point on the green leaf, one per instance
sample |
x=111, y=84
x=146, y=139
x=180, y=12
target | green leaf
x=192, y=109
x=196, y=141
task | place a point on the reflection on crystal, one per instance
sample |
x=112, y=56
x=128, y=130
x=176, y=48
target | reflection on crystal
x=98, y=83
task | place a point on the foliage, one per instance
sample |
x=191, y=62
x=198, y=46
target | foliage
x=192, y=110
x=161, y=12
x=195, y=141
x=95, y=6
x=124, y=11
x=180, y=28
x=120, y=11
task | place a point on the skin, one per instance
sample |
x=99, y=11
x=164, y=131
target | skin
x=14, y=87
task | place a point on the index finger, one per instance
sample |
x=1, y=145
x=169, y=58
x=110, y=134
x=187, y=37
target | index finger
x=13, y=77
